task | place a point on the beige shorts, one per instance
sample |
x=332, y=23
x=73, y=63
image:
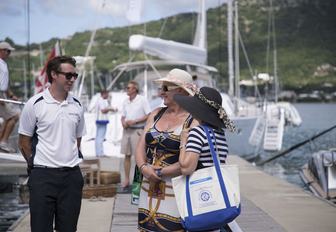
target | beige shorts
x=8, y=111
x=129, y=141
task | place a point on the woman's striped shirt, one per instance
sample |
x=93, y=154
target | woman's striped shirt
x=197, y=142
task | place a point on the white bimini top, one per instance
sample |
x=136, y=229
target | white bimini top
x=54, y=127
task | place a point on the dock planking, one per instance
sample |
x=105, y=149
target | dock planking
x=268, y=205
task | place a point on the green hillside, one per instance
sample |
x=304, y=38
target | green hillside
x=305, y=37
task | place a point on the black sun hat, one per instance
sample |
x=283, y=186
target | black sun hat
x=206, y=105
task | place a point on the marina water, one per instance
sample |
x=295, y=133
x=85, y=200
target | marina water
x=316, y=118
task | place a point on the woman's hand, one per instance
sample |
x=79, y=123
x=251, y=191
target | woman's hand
x=149, y=172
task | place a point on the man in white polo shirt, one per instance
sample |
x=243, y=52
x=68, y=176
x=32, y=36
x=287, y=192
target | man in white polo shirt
x=7, y=112
x=134, y=115
x=50, y=131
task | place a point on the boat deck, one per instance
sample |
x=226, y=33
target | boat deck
x=268, y=204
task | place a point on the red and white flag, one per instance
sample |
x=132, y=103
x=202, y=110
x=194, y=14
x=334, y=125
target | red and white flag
x=41, y=81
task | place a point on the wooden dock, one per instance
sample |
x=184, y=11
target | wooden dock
x=268, y=204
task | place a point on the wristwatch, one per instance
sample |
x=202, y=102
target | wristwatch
x=158, y=172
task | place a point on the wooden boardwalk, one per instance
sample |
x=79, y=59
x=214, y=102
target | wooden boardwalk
x=268, y=204
x=252, y=218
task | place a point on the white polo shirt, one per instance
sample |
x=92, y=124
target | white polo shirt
x=4, y=80
x=135, y=109
x=101, y=105
x=54, y=127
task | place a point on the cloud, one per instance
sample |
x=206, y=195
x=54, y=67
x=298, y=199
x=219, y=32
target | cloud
x=62, y=8
x=11, y=7
x=116, y=8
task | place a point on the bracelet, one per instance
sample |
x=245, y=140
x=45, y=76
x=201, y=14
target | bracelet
x=182, y=146
x=142, y=166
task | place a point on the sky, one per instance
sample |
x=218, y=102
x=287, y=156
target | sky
x=63, y=18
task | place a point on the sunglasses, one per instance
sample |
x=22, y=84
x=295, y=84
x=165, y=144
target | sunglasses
x=166, y=88
x=69, y=75
x=7, y=50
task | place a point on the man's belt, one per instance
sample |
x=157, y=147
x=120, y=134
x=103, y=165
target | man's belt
x=136, y=127
x=56, y=168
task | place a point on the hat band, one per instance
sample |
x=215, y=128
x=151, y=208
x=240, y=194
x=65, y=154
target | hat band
x=220, y=110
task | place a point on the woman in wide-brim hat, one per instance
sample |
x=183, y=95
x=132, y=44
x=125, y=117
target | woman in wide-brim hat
x=206, y=107
x=157, y=156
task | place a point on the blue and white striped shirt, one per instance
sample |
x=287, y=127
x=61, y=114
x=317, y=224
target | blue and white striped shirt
x=197, y=142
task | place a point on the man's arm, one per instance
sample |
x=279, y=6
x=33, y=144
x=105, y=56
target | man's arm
x=25, y=144
x=138, y=120
x=79, y=140
x=123, y=122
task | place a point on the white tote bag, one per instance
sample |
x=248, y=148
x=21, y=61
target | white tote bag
x=207, y=202
x=205, y=190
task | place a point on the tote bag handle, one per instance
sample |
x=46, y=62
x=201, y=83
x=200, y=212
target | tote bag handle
x=218, y=171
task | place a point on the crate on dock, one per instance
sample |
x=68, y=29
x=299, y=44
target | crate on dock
x=109, y=177
x=108, y=190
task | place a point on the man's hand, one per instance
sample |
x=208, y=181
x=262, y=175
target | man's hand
x=131, y=122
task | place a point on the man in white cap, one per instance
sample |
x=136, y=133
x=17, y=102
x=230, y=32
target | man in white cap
x=9, y=114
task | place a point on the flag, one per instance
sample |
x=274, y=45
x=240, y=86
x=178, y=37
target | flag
x=134, y=11
x=41, y=81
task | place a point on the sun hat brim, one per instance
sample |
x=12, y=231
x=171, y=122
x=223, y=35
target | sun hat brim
x=179, y=78
x=199, y=110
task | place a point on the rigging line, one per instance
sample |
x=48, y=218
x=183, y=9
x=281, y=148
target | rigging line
x=162, y=27
x=248, y=61
x=282, y=153
x=245, y=54
x=87, y=52
x=120, y=73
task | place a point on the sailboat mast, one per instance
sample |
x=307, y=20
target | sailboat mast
x=230, y=50
x=237, y=74
x=275, y=56
x=200, y=39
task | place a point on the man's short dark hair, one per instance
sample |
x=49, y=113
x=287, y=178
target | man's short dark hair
x=103, y=91
x=55, y=64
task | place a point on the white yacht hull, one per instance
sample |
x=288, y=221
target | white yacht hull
x=238, y=142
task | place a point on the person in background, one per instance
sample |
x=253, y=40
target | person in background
x=206, y=107
x=50, y=132
x=102, y=109
x=158, y=154
x=135, y=111
x=7, y=112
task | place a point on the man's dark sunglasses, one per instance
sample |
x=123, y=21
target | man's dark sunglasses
x=166, y=88
x=69, y=75
x=7, y=50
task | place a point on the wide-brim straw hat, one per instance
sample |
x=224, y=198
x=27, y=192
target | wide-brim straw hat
x=206, y=105
x=180, y=78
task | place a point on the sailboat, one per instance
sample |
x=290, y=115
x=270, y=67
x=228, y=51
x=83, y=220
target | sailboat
x=271, y=116
x=260, y=125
